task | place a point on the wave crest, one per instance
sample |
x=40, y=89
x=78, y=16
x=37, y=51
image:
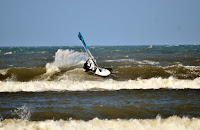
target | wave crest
x=108, y=85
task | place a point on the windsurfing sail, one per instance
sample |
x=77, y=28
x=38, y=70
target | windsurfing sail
x=86, y=48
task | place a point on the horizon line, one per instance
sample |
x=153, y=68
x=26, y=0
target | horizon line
x=104, y=45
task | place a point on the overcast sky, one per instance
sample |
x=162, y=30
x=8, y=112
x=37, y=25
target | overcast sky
x=101, y=22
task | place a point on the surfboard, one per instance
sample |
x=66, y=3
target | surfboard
x=95, y=69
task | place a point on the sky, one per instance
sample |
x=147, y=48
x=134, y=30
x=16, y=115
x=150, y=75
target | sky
x=101, y=22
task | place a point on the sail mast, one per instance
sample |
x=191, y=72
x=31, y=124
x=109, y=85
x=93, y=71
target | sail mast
x=86, y=48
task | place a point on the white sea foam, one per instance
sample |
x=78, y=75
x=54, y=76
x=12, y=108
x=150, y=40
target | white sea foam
x=126, y=56
x=8, y=53
x=171, y=123
x=68, y=85
x=3, y=71
x=150, y=46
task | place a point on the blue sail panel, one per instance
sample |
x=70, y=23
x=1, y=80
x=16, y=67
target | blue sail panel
x=86, y=48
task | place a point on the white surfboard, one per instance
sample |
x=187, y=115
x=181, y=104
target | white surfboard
x=102, y=72
x=95, y=69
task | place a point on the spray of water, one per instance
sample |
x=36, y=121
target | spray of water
x=23, y=112
x=67, y=57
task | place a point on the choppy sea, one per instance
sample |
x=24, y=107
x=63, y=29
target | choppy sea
x=150, y=87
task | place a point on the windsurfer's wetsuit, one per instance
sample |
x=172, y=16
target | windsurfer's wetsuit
x=86, y=67
x=89, y=65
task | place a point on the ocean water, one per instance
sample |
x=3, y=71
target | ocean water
x=150, y=87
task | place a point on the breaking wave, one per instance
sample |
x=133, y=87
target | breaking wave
x=62, y=59
x=75, y=72
x=8, y=53
x=147, y=72
x=20, y=73
x=108, y=85
x=173, y=122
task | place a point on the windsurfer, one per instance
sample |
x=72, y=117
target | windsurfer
x=88, y=65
